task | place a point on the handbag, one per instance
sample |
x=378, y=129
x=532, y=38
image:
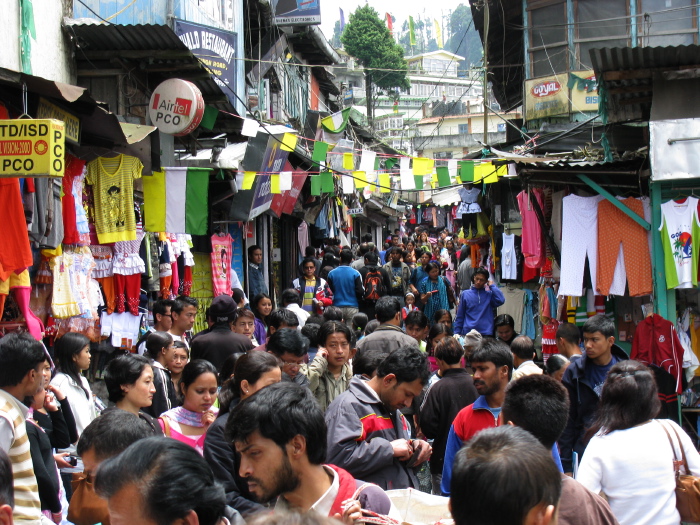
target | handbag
x=687, y=486
x=86, y=507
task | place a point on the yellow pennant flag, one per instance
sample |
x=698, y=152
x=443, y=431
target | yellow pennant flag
x=384, y=183
x=275, y=183
x=248, y=180
x=438, y=33
x=360, y=179
x=482, y=170
x=289, y=142
x=422, y=166
x=348, y=161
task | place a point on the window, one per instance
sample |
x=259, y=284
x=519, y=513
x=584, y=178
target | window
x=674, y=27
x=548, y=43
x=463, y=129
x=593, y=33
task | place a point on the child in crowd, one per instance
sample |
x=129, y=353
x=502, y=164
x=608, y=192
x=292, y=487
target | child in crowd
x=245, y=324
x=330, y=371
x=359, y=323
x=410, y=301
x=437, y=333
x=416, y=325
x=310, y=331
x=371, y=327
x=444, y=317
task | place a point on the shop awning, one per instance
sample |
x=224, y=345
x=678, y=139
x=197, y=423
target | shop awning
x=446, y=197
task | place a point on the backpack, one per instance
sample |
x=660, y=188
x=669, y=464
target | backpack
x=374, y=285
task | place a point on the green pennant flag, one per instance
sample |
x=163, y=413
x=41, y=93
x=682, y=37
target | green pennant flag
x=390, y=163
x=419, y=181
x=316, y=185
x=209, y=117
x=466, y=171
x=319, y=153
x=377, y=160
x=327, y=182
x=412, y=30
x=443, y=176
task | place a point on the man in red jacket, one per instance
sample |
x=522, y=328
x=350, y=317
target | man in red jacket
x=492, y=363
x=280, y=435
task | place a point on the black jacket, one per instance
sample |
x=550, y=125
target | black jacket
x=219, y=344
x=59, y=425
x=583, y=405
x=442, y=403
x=223, y=461
x=165, y=397
x=44, y=468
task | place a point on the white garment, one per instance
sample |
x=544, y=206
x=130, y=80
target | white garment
x=469, y=202
x=556, y=216
x=301, y=314
x=121, y=326
x=509, y=266
x=527, y=368
x=679, y=219
x=634, y=467
x=514, y=306
x=579, y=239
x=82, y=406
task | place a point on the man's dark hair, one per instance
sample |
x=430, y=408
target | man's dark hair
x=493, y=351
x=156, y=341
x=123, y=370
x=310, y=331
x=345, y=257
x=111, y=433
x=366, y=237
x=237, y=295
x=482, y=272
x=332, y=313
x=416, y=318
x=371, y=326
x=155, y=467
x=333, y=327
x=570, y=333
x=538, y=404
x=282, y=316
x=310, y=252
x=386, y=308
x=19, y=353
x=599, y=323
x=279, y=412
x=371, y=259
x=511, y=459
x=364, y=248
x=160, y=306
x=504, y=320
x=7, y=492
x=366, y=363
x=523, y=347
x=252, y=248
x=287, y=340
x=290, y=296
x=182, y=302
x=407, y=364
x=449, y=350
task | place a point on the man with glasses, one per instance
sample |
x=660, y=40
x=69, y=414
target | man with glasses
x=290, y=347
x=162, y=322
x=315, y=292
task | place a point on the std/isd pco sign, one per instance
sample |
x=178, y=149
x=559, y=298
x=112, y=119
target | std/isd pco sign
x=32, y=148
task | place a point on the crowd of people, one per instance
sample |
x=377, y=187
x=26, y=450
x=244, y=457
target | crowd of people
x=379, y=370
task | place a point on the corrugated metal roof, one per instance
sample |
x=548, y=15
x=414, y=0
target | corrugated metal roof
x=626, y=74
x=106, y=37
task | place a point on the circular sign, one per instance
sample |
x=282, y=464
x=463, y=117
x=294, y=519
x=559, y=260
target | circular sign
x=176, y=107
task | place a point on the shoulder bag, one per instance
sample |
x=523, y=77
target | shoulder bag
x=687, y=486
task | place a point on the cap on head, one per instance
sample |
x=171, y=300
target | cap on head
x=223, y=309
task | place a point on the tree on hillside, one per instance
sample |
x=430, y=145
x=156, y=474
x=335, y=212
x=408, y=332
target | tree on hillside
x=367, y=38
x=464, y=39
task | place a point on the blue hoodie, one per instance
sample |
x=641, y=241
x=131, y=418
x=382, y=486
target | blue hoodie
x=476, y=310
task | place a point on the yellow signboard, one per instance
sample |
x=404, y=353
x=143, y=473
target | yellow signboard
x=47, y=109
x=583, y=96
x=546, y=96
x=32, y=148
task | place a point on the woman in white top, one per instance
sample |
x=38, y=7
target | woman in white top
x=629, y=457
x=73, y=356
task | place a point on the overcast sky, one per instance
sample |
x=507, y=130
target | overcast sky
x=400, y=9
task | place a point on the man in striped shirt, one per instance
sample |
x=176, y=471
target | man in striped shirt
x=20, y=358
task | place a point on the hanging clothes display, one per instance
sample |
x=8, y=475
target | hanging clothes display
x=623, y=252
x=509, y=259
x=655, y=343
x=15, y=251
x=221, y=263
x=679, y=225
x=533, y=240
x=112, y=180
x=514, y=305
x=579, y=240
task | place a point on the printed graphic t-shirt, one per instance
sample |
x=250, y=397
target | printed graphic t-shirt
x=112, y=180
x=679, y=233
x=221, y=251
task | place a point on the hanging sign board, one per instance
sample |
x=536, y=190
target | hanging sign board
x=296, y=12
x=356, y=211
x=32, y=148
x=47, y=109
x=584, y=96
x=176, y=107
x=546, y=96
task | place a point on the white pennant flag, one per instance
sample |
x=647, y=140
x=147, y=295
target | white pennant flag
x=285, y=180
x=348, y=184
x=452, y=169
x=407, y=180
x=250, y=127
x=367, y=161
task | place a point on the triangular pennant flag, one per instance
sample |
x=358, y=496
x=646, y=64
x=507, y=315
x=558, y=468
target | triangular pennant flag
x=443, y=176
x=327, y=185
x=248, y=180
x=285, y=181
x=466, y=171
x=320, y=152
x=289, y=142
x=384, y=183
x=348, y=161
x=275, y=183
x=360, y=179
x=315, y=185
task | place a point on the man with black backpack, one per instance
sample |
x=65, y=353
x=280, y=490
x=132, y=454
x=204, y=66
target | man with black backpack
x=376, y=283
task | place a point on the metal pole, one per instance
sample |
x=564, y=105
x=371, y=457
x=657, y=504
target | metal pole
x=486, y=62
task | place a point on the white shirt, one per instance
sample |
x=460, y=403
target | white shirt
x=634, y=467
x=83, y=407
x=301, y=314
x=325, y=503
x=526, y=368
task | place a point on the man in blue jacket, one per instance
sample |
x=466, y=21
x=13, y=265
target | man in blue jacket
x=477, y=305
x=346, y=285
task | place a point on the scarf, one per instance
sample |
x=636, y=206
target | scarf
x=186, y=417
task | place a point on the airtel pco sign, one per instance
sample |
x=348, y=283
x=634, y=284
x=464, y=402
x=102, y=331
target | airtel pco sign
x=176, y=107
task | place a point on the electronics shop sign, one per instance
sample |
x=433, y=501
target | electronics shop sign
x=32, y=148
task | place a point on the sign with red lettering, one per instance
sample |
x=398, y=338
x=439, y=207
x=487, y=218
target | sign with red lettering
x=32, y=148
x=546, y=97
x=176, y=107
